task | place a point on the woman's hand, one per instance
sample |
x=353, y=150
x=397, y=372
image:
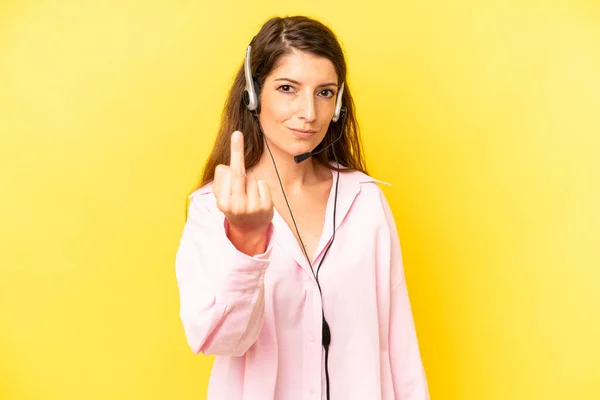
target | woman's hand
x=246, y=202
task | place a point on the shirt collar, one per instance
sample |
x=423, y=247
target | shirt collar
x=350, y=177
x=349, y=187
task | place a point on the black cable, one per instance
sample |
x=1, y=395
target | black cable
x=326, y=331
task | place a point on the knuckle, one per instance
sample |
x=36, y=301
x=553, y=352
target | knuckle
x=252, y=208
x=222, y=206
x=221, y=169
x=238, y=207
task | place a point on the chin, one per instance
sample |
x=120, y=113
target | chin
x=294, y=145
x=297, y=150
x=304, y=145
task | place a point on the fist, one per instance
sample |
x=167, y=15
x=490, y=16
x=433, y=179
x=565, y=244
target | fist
x=245, y=202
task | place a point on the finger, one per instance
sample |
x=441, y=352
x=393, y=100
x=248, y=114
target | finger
x=238, y=181
x=252, y=194
x=237, y=185
x=216, y=186
x=224, y=191
x=236, y=161
x=265, y=195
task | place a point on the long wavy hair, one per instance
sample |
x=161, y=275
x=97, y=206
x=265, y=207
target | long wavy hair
x=279, y=37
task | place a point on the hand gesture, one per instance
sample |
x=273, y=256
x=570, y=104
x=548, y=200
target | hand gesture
x=246, y=202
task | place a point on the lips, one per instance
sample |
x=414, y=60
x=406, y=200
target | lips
x=303, y=133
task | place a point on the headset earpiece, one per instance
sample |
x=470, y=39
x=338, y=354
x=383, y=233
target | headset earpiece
x=251, y=91
x=338, y=104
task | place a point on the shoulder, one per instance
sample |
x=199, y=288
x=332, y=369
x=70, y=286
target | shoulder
x=365, y=184
x=353, y=183
x=202, y=192
x=202, y=201
x=363, y=194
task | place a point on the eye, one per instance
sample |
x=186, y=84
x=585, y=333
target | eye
x=285, y=88
x=327, y=93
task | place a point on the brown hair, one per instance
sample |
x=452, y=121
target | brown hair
x=276, y=38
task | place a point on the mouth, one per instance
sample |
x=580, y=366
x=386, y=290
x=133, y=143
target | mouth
x=303, y=133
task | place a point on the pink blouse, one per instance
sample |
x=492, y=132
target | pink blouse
x=261, y=316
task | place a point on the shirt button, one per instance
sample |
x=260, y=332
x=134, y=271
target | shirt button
x=313, y=338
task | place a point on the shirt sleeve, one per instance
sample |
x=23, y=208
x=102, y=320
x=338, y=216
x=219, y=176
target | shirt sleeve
x=221, y=289
x=408, y=374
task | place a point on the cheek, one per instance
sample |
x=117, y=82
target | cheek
x=276, y=109
x=325, y=114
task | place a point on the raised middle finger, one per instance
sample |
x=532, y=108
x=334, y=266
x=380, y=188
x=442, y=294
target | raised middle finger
x=238, y=172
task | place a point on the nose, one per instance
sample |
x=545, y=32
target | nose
x=307, y=110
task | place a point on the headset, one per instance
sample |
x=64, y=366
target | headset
x=251, y=101
x=252, y=92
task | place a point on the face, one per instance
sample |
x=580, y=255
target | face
x=297, y=102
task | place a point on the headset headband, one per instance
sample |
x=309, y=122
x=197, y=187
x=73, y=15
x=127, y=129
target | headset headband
x=251, y=90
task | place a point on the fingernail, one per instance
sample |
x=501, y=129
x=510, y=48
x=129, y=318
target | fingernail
x=237, y=135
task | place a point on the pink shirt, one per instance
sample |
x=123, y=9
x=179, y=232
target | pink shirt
x=261, y=316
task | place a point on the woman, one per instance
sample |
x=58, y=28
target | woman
x=289, y=266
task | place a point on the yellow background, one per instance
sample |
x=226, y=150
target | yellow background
x=483, y=115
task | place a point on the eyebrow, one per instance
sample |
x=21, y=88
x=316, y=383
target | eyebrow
x=298, y=83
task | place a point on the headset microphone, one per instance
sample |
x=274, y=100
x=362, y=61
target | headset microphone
x=301, y=157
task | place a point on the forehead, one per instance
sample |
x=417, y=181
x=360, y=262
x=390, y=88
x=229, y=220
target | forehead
x=304, y=67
